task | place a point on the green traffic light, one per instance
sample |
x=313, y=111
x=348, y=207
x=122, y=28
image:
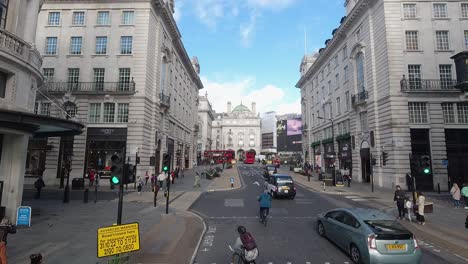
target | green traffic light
x=115, y=180
x=165, y=168
x=426, y=170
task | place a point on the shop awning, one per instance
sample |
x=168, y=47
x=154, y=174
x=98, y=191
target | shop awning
x=39, y=125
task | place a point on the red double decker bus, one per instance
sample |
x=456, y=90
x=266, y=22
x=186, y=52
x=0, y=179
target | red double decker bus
x=218, y=156
x=250, y=156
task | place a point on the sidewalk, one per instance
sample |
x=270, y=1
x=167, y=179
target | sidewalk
x=67, y=232
x=445, y=226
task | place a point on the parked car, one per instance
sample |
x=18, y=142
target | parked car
x=369, y=236
x=269, y=170
x=281, y=185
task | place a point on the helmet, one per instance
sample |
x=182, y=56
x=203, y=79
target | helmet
x=241, y=230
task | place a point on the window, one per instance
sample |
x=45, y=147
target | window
x=358, y=34
x=71, y=109
x=350, y=221
x=445, y=76
x=54, y=19
x=338, y=106
x=127, y=17
x=78, y=18
x=99, y=79
x=464, y=10
x=3, y=15
x=448, y=112
x=462, y=109
x=337, y=80
x=442, y=40
x=336, y=61
x=3, y=84
x=94, y=113
x=347, y=100
x=102, y=18
x=412, y=42
x=345, y=52
x=73, y=78
x=466, y=39
x=109, y=112
x=363, y=121
x=36, y=108
x=75, y=45
x=51, y=46
x=329, y=87
x=48, y=74
x=360, y=72
x=409, y=11
x=414, y=76
x=346, y=73
x=45, y=109
x=122, y=113
x=440, y=10
x=417, y=113
x=101, y=45
x=124, y=79
x=126, y=45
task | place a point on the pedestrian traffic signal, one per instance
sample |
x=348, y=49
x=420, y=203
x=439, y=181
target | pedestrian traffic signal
x=384, y=158
x=116, y=169
x=426, y=164
x=129, y=173
x=166, y=162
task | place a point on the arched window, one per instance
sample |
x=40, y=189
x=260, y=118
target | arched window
x=360, y=71
x=71, y=109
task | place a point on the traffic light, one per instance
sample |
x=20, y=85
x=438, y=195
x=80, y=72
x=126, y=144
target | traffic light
x=116, y=169
x=166, y=162
x=384, y=158
x=129, y=173
x=426, y=164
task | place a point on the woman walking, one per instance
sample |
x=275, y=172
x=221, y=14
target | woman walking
x=456, y=195
x=421, y=201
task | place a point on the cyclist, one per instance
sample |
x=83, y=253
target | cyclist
x=245, y=246
x=265, y=203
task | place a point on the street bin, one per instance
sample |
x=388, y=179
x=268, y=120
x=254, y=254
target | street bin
x=77, y=184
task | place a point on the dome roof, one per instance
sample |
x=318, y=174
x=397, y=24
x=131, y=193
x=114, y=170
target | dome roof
x=241, y=108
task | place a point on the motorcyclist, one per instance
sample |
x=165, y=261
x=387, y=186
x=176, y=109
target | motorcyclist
x=265, y=203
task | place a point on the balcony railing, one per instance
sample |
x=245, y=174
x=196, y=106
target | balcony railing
x=89, y=87
x=18, y=47
x=414, y=85
x=165, y=99
x=359, y=98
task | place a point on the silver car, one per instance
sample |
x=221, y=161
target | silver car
x=369, y=236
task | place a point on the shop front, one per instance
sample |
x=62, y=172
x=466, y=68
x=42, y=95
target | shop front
x=344, y=154
x=317, y=158
x=101, y=144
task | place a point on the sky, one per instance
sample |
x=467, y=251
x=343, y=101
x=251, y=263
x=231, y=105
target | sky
x=251, y=50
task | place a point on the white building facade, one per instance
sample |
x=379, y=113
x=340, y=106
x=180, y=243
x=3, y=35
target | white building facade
x=238, y=129
x=269, y=132
x=385, y=84
x=205, y=125
x=121, y=68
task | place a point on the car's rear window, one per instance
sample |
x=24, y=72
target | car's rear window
x=284, y=180
x=388, y=229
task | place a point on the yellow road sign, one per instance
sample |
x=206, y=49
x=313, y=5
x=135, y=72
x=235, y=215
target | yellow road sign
x=118, y=239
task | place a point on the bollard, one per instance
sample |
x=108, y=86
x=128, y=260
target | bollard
x=85, y=197
x=438, y=188
x=324, y=185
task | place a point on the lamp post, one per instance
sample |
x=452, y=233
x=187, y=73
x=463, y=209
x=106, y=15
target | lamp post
x=333, y=145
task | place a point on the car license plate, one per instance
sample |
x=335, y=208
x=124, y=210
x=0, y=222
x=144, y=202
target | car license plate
x=286, y=191
x=396, y=247
x=285, y=188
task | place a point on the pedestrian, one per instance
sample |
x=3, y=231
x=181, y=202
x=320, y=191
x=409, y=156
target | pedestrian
x=173, y=177
x=161, y=178
x=464, y=193
x=197, y=181
x=139, y=184
x=153, y=180
x=6, y=227
x=456, y=195
x=91, y=177
x=421, y=202
x=182, y=173
x=409, y=207
x=399, y=198
x=36, y=258
x=39, y=184
x=146, y=178
x=349, y=180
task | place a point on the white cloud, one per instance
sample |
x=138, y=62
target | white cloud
x=247, y=30
x=271, y=4
x=209, y=11
x=267, y=98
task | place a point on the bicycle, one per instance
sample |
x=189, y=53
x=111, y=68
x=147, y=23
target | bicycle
x=264, y=216
x=238, y=258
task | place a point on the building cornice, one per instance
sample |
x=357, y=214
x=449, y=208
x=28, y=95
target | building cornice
x=339, y=35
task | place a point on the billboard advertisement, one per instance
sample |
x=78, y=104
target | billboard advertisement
x=294, y=126
x=281, y=128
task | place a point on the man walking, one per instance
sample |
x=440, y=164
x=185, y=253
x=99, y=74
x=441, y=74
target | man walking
x=39, y=184
x=399, y=197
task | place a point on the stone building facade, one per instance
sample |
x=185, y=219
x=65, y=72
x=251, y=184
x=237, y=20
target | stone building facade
x=385, y=83
x=238, y=129
x=205, y=124
x=121, y=68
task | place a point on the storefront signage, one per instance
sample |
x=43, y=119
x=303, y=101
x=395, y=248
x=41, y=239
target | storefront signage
x=23, y=216
x=113, y=240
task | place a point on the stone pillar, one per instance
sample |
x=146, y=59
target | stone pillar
x=12, y=169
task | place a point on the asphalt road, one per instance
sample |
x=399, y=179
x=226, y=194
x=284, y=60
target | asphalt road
x=290, y=236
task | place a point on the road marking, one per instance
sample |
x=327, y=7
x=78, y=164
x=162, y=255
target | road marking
x=465, y=259
x=359, y=200
x=233, y=202
x=256, y=217
x=352, y=196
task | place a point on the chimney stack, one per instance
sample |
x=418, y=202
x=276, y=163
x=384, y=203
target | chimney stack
x=229, y=107
x=254, y=110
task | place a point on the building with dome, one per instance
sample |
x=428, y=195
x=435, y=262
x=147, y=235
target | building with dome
x=237, y=129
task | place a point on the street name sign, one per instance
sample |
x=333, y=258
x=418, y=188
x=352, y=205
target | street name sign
x=23, y=216
x=118, y=239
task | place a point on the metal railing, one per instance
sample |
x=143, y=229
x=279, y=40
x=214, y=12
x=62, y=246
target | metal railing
x=165, y=99
x=16, y=46
x=408, y=85
x=89, y=87
x=359, y=98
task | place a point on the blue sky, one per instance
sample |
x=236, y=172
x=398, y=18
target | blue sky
x=250, y=50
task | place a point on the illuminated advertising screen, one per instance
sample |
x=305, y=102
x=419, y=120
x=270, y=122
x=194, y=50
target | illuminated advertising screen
x=281, y=128
x=294, y=127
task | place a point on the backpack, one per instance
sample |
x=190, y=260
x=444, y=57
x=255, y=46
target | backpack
x=248, y=242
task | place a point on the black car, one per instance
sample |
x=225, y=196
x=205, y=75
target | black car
x=269, y=170
x=281, y=185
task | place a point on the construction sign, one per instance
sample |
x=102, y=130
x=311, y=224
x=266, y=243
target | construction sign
x=118, y=239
